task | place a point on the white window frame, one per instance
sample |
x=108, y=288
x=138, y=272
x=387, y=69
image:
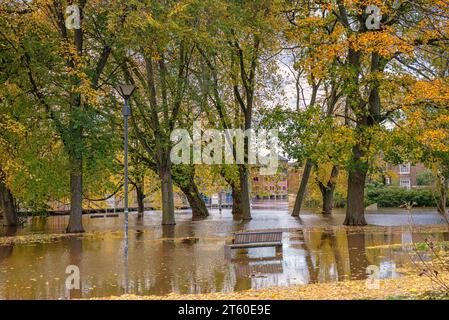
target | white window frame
x=404, y=168
x=405, y=182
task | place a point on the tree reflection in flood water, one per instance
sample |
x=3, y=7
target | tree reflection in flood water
x=189, y=257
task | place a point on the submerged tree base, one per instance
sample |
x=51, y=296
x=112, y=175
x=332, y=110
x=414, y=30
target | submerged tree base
x=240, y=217
x=355, y=221
x=75, y=230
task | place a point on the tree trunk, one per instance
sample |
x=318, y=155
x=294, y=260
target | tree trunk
x=355, y=210
x=327, y=191
x=7, y=206
x=237, y=199
x=328, y=198
x=236, y=202
x=199, y=209
x=302, y=188
x=76, y=196
x=244, y=193
x=140, y=199
x=441, y=205
x=184, y=177
x=442, y=185
x=168, y=206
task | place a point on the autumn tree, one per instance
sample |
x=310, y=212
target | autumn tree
x=312, y=127
x=314, y=58
x=365, y=40
x=232, y=75
x=62, y=69
x=11, y=131
x=156, y=54
x=421, y=130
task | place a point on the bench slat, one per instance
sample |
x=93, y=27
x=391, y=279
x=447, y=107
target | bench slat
x=257, y=237
x=255, y=245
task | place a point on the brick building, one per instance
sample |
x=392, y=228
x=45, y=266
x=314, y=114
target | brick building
x=271, y=186
x=404, y=175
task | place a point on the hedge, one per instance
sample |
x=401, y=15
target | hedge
x=397, y=196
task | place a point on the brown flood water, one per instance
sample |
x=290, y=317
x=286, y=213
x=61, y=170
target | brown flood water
x=189, y=257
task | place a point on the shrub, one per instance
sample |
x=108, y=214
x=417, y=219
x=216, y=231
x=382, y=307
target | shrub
x=339, y=200
x=397, y=196
x=425, y=178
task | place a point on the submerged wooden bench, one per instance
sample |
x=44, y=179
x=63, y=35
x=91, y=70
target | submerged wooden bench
x=254, y=240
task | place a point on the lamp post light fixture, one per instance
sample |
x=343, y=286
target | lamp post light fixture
x=126, y=90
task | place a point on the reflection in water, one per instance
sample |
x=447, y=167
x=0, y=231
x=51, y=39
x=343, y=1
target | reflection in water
x=10, y=231
x=357, y=256
x=126, y=255
x=189, y=257
x=193, y=265
x=5, y=252
x=75, y=258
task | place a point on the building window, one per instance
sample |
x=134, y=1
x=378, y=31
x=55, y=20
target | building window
x=388, y=180
x=405, y=182
x=404, y=168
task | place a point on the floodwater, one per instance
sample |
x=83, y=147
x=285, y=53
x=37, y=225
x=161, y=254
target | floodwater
x=189, y=257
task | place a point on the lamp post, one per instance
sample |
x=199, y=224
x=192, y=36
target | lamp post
x=126, y=90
